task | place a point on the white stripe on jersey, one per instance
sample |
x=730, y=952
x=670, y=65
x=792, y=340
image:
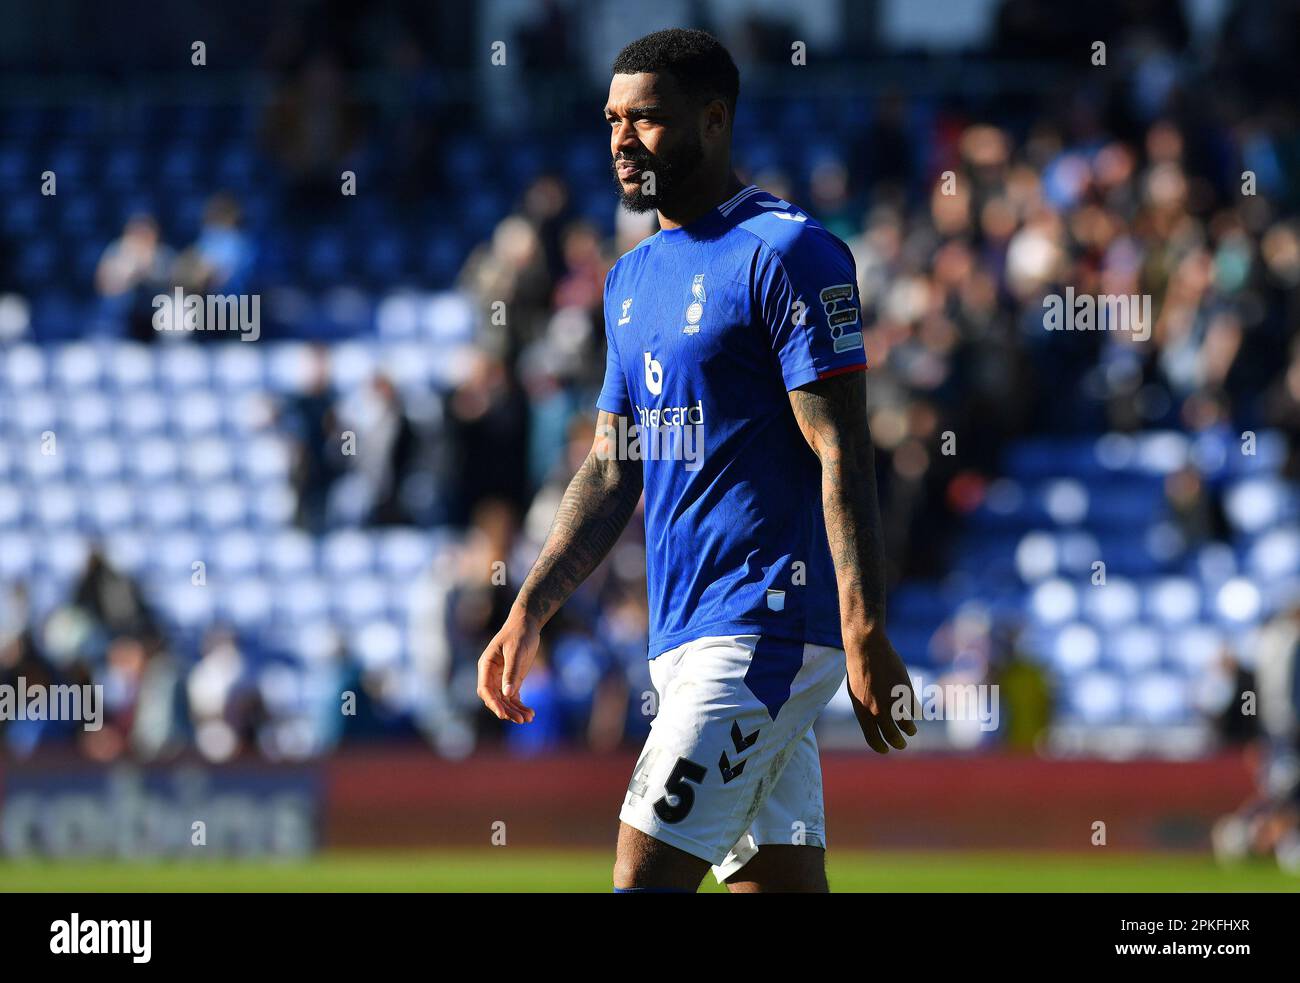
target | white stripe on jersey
x=729, y=205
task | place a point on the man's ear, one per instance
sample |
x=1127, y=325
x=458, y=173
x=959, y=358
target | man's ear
x=717, y=118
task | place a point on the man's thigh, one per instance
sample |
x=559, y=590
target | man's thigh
x=645, y=864
x=782, y=867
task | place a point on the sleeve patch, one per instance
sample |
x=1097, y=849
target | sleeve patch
x=841, y=313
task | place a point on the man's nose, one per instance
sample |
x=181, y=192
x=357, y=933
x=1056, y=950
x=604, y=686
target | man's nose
x=625, y=138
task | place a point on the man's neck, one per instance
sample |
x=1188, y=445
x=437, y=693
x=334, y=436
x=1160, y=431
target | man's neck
x=699, y=205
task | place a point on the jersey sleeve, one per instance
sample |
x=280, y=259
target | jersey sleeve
x=613, y=393
x=808, y=300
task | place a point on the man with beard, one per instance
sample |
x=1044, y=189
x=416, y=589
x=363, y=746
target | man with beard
x=734, y=329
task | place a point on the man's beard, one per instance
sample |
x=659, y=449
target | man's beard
x=670, y=173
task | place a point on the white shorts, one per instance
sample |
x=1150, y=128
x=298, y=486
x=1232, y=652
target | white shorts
x=731, y=761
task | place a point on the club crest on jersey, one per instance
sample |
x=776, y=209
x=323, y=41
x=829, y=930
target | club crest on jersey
x=841, y=313
x=696, y=309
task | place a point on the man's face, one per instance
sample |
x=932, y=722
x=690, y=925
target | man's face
x=654, y=139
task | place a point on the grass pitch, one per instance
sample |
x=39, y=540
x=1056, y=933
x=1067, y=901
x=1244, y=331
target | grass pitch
x=511, y=869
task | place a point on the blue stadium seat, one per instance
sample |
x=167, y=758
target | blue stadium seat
x=1134, y=648
x=207, y=459
x=1075, y=648
x=1054, y=602
x=1096, y=698
x=12, y=506
x=17, y=555
x=1111, y=605
x=347, y=553
x=129, y=367
x=1172, y=601
x=112, y=508
x=238, y=368
x=303, y=599
x=153, y=459
x=288, y=555
x=25, y=368
x=219, y=507
x=1158, y=699
x=377, y=645
x=166, y=506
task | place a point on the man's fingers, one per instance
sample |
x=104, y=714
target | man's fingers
x=908, y=723
x=524, y=711
x=889, y=730
x=485, y=687
x=489, y=689
x=871, y=732
x=510, y=671
x=510, y=683
x=493, y=702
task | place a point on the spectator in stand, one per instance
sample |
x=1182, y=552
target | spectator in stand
x=131, y=272
x=511, y=286
x=311, y=420
x=386, y=446
x=221, y=259
x=115, y=602
x=487, y=425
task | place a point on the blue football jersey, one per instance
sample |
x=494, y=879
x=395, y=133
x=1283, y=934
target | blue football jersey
x=708, y=326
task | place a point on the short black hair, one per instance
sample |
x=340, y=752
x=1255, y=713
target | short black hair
x=696, y=59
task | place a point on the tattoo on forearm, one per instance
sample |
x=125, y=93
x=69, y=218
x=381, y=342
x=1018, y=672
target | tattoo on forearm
x=595, y=509
x=832, y=413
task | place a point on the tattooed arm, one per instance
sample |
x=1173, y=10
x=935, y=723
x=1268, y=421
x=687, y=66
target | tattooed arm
x=593, y=513
x=832, y=413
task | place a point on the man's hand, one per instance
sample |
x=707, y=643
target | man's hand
x=505, y=663
x=878, y=683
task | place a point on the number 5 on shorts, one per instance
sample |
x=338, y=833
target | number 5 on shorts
x=684, y=771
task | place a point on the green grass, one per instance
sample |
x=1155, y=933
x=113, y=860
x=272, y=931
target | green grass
x=517, y=869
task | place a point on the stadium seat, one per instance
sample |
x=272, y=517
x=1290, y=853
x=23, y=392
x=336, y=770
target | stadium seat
x=1172, y=601
x=1158, y=699
x=1134, y=648
x=1077, y=647
x=1096, y=698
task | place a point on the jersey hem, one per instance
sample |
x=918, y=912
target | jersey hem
x=665, y=643
x=843, y=370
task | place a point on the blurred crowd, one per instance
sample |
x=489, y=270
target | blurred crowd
x=1174, y=175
